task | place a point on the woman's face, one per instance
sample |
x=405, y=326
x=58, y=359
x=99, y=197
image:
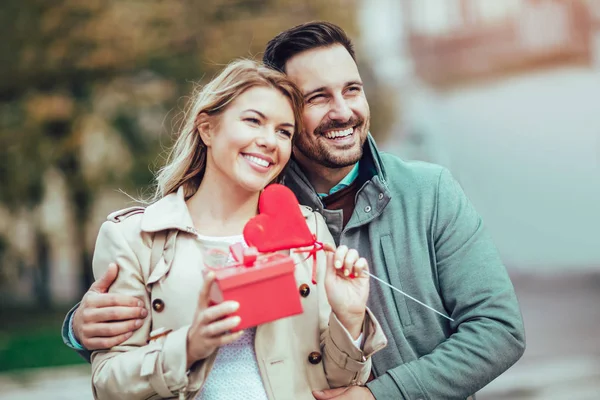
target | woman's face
x=251, y=140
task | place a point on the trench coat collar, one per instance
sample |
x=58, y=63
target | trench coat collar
x=171, y=212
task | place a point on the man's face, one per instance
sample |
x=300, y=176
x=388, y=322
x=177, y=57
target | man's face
x=336, y=116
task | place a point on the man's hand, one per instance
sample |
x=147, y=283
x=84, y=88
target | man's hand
x=345, y=393
x=103, y=319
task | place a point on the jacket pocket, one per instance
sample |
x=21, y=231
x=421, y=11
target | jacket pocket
x=279, y=378
x=393, y=268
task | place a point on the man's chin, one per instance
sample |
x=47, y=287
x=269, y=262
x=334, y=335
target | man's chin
x=341, y=160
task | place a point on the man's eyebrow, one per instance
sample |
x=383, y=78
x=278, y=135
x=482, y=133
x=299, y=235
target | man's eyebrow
x=321, y=89
x=351, y=83
x=324, y=88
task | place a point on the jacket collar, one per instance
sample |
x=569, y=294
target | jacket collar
x=171, y=212
x=370, y=165
x=371, y=153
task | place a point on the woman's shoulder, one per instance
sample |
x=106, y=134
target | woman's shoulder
x=316, y=222
x=127, y=224
x=125, y=213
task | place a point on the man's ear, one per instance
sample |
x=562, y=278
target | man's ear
x=205, y=127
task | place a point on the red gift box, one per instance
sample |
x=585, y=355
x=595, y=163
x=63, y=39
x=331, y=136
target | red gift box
x=264, y=287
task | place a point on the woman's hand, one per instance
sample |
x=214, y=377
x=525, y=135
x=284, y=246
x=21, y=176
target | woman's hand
x=347, y=287
x=210, y=328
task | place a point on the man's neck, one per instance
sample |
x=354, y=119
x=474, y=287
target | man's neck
x=322, y=179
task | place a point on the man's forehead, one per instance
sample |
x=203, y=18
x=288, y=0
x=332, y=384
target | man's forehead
x=322, y=67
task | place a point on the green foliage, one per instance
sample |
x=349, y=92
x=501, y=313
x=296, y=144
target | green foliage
x=33, y=341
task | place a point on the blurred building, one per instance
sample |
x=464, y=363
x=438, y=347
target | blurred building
x=453, y=41
x=505, y=94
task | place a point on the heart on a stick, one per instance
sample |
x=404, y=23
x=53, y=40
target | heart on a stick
x=280, y=224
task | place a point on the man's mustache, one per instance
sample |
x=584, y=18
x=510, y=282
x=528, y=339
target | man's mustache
x=338, y=126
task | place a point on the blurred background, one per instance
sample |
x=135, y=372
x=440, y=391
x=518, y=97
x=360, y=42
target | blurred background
x=505, y=93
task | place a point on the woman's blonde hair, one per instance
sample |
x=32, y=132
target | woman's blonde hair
x=186, y=161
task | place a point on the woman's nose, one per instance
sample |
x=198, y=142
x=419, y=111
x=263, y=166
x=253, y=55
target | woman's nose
x=267, y=138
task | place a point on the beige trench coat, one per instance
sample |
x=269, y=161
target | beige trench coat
x=143, y=369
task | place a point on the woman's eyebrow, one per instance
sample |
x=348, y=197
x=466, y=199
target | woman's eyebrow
x=255, y=111
x=263, y=116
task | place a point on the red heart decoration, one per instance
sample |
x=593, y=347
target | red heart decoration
x=280, y=224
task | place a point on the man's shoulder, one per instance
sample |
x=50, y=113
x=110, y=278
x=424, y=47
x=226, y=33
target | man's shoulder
x=410, y=172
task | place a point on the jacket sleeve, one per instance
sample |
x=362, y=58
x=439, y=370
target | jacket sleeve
x=343, y=362
x=488, y=334
x=66, y=337
x=135, y=369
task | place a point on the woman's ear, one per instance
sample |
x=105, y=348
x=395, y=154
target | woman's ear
x=204, y=126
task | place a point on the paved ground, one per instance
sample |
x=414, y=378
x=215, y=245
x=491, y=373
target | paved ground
x=66, y=383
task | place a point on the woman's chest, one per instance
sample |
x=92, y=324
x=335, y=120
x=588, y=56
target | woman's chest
x=179, y=276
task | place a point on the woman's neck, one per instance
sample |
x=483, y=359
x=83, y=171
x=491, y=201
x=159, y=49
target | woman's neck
x=220, y=209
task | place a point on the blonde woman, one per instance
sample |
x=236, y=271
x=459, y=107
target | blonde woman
x=237, y=139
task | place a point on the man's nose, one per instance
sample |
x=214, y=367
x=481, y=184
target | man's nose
x=340, y=109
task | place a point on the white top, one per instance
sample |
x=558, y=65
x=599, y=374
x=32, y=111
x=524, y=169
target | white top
x=235, y=373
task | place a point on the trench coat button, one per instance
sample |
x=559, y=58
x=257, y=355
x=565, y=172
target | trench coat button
x=380, y=196
x=314, y=357
x=304, y=290
x=368, y=209
x=158, y=305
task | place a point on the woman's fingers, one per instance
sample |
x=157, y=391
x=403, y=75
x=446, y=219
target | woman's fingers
x=219, y=311
x=360, y=266
x=340, y=255
x=328, y=247
x=204, y=296
x=218, y=328
x=351, y=258
x=348, y=262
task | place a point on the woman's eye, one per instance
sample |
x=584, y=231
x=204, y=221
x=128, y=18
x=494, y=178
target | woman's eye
x=285, y=133
x=252, y=120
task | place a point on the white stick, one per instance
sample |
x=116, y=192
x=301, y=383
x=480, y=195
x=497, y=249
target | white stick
x=410, y=297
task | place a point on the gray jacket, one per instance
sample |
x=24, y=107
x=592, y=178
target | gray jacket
x=419, y=232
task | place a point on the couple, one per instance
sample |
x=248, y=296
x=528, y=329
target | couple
x=411, y=222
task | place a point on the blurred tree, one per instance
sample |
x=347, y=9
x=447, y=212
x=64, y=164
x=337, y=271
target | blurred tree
x=85, y=92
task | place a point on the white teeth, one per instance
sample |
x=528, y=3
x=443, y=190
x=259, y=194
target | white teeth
x=256, y=160
x=337, y=134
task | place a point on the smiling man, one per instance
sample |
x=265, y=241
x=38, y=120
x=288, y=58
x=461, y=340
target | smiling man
x=410, y=220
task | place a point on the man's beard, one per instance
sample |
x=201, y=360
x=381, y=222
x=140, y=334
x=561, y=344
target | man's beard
x=322, y=154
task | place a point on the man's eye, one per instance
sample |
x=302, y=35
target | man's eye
x=355, y=89
x=316, y=98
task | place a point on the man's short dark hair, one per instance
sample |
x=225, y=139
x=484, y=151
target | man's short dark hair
x=298, y=39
